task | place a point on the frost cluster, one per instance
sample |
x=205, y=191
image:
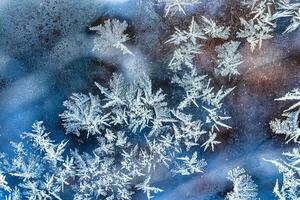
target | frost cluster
x=111, y=35
x=139, y=130
x=228, y=59
x=289, y=187
x=174, y=6
x=189, y=42
x=290, y=169
x=40, y=171
x=244, y=187
x=263, y=21
x=289, y=126
x=198, y=93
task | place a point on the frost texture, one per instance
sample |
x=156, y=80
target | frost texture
x=213, y=30
x=289, y=126
x=136, y=130
x=147, y=188
x=264, y=15
x=198, y=93
x=173, y=6
x=130, y=109
x=190, y=165
x=291, y=10
x=189, y=42
x=228, y=59
x=244, y=187
x=84, y=113
x=41, y=172
x=27, y=32
x=290, y=169
x=111, y=35
x=187, y=46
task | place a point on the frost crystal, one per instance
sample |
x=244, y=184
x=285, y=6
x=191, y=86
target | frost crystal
x=40, y=172
x=147, y=188
x=111, y=35
x=4, y=184
x=213, y=30
x=260, y=26
x=198, y=92
x=289, y=126
x=84, y=113
x=190, y=165
x=137, y=110
x=244, y=187
x=264, y=15
x=291, y=10
x=187, y=41
x=173, y=6
x=188, y=48
x=228, y=59
x=255, y=31
x=289, y=168
x=293, y=95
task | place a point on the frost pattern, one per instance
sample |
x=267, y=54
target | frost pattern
x=189, y=42
x=289, y=166
x=213, y=30
x=264, y=15
x=173, y=6
x=260, y=26
x=130, y=109
x=290, y=10
x=244, y=187
x=41, y=172
x=136, y=129
x=111, y=35
x=289, y=126
x=84, y=113
x=228, y=59
x=198, y=93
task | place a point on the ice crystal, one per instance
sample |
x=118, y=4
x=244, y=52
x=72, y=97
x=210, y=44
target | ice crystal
x=188, y=43
x=134, y=109
x=289, y=126
x=290, y=169
x=228, y=59
x=147, y=188
x=4, y=184
x=291, y=10
x=244, y=187
x=111, y=35
x=99, y=178
x=198, y=92
x=188, y=48
x=263, y=21
x=255, y=31
x=289, y=166
x=260, y=26
x=84, y=113
x=293, y=95
x=173, y=6
x=190, y=165
x=213, y=30
x=41, y=172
